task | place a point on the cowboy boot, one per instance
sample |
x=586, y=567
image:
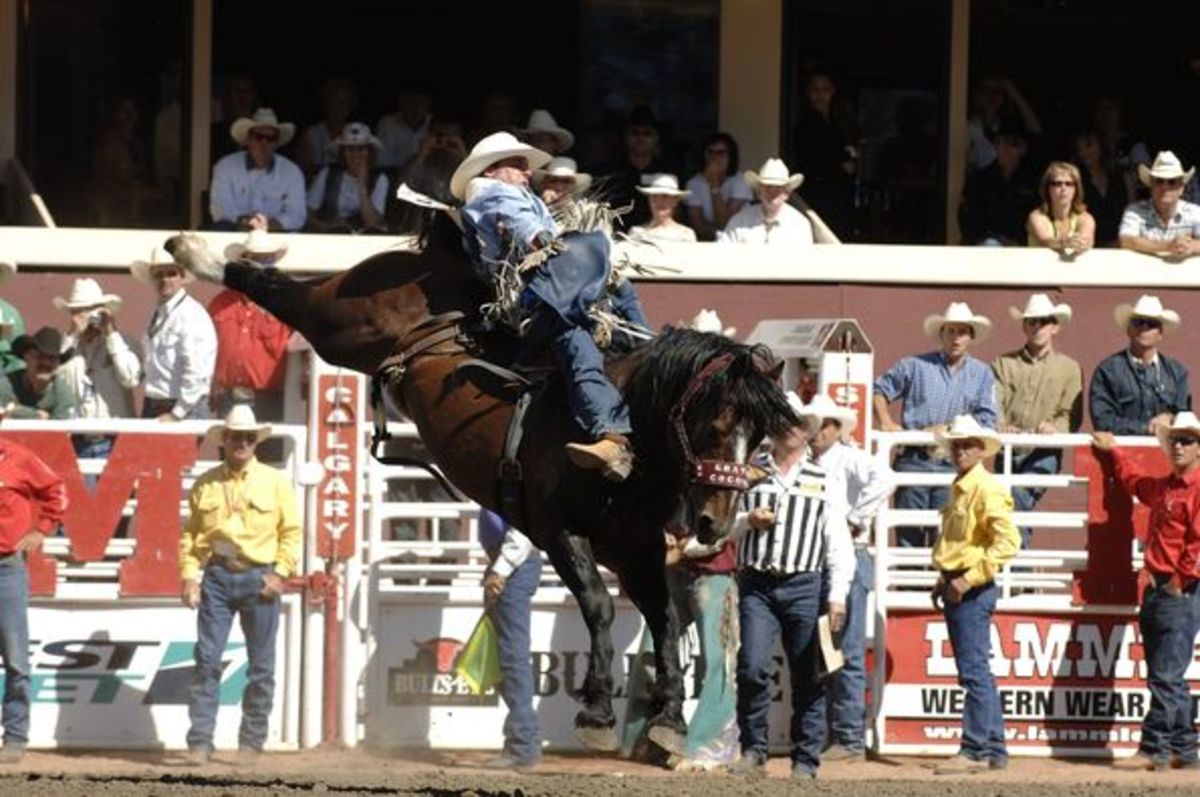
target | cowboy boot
x=610, y=453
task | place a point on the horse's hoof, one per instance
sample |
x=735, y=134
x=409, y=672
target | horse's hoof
x=668, y=739
x=191, y=252
x=601, y=739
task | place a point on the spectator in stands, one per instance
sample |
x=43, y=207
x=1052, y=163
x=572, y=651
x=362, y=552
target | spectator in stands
x=857, y=487
x=427, y=173
x=997, y=199
x=642, y=140
x=771, y=220
x=1062, y=222
x=544, y=133
x=717, y=192
x=12, y=326
x=1105, y=188
x=559, y=182
x=1121, y=147
x=315, y=149
x=239, y=99
x=243, y=534
x=120, y=173
x=34, y=500
x=935, y=387
x=825, y=149
x=998, y=104
x=977, y=539
x=402, y=131
x=1040, y=391
x=665, y=196
x=1167, y=618
x=1164, y=224
x=180, y=344
x=258, y=188
x=38, y=390
x=167, y=142
x=1137, y=390
x=349, y=196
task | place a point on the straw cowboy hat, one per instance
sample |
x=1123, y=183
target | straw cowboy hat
x=1040, y=306
x=262, y=117
x=1147, y=306
x=564, y=167
x=85, y=293
x=1166, y=166
x=356, y=134
x=661, y=185
x=540, y=121
x=823, y=408
x=957, y=313
x=240, y=419
x=708, y=321
x=1185, y=421
x=490, y=149
x=965, y=427
x=140, y=269
x=7, y=270
x=259, y=244
x=773, y=172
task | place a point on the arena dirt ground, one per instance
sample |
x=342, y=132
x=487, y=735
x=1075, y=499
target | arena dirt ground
x=354, y=772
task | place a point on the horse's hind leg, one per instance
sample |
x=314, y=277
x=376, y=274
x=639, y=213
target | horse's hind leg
x=573, y=560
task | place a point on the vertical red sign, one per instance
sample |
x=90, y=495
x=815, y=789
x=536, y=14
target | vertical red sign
x=338, y=451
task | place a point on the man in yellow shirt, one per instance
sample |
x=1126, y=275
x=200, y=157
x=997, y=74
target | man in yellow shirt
x=977, y=538
x=243, y=534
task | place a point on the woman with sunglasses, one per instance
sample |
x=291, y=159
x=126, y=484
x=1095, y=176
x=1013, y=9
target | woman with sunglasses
x=717, y=192
x=1062, y=222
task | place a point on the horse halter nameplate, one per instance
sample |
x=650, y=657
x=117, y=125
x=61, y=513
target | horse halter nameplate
x=718, y=473
x=727, y=475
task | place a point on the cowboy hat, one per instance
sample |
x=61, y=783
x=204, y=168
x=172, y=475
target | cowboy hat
x=661, y=185
x=47, y=340
x=564, y=167
x=7, y=269
x=1166, y=166
x=241, y=419
x=141, y=269
x=86, y=293
x=262, y=117
x=1147, y=306
x=356, y=134
x=773, y=172
x=708, y=321
x=540, y=121
x=489, y=150
x=1040, y=306
x=957, y=313
x=965, y=427
x=1185, y=421
x=823, y=408
x=257, y=244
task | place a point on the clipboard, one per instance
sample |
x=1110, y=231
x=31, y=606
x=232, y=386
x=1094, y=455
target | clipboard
x=829, y=656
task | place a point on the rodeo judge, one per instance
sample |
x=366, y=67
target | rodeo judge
x=243, y=532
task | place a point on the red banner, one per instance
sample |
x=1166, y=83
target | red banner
x=338, y=451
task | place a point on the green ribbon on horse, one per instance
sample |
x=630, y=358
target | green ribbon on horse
x=479, y=661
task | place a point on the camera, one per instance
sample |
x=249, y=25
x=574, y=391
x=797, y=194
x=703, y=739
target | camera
x=95, y=318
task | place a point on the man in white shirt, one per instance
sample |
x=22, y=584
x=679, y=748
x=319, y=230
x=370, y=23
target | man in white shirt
x=255, y=187
x=771, y=220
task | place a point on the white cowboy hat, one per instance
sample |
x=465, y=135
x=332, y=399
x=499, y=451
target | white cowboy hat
x=140, y=269
x=85, y=293
x=564, y=167
x=964, y=427
x=7, y=269
x=258, y=242
x=262, y=117
x=1147, y=306
x=240, y=419
x=708, y=321
x=490, y=149
x=957, y=313
x=540, y=121
x=1040, y=306
x=1166, y=166
x=356, y=134
x=661, y=185
x=1185, y=421
x=823, y=408
x=773, y=172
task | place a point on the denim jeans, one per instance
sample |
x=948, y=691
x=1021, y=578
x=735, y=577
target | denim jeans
x=918, y=460
x=848, y=689
x=223, y=594
x=511, y=614
x=14, y=647
x=1037, y=461
x=1168, y=627
x=625, y=303
x=770, y=604
x=970, y=627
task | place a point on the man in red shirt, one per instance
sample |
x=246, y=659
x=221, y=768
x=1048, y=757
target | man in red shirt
x=32, y=501
x=1168, y=615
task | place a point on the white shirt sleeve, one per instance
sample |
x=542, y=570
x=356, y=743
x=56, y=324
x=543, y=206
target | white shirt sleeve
x=197, y=359
x=127, y=363
x=874, y=483
x=515, y=549
x=839, y=557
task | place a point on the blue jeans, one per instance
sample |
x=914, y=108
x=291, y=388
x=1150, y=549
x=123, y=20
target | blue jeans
x=1037, y=461
x=223, y=594
x=14, y=647
x=970, y=627
x=769, y=604
x=89, y=447
x=848, y=689
x=522, y=735
x=917, y=460
x=1168, y=627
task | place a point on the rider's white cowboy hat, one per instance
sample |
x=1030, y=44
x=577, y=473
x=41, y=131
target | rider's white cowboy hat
x=262, y=117
x=85, y=293
x=965, y=427
x=490, y=149
x=140, y=269
x=1147, y=306
x=241, y=419
x=1185, y=421
x=540, y=121
x=708, y=321
x=823, y=408
x=1166, y=166
x=1040, y=306
x=356, y=134
x=259, y=244
x=773, y=172
x=564, y=167
x=661, y=185
x=957, y=313
x=7, y=269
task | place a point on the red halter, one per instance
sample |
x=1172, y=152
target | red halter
x=709, y=472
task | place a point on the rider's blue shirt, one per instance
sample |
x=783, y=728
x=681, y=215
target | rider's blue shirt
x=501, y=221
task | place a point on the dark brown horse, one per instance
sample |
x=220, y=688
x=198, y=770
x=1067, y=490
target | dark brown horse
x=698, y=402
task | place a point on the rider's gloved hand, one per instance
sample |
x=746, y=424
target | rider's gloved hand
x=541, y=240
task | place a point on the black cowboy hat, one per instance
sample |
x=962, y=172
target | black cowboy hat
x=47, y=340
